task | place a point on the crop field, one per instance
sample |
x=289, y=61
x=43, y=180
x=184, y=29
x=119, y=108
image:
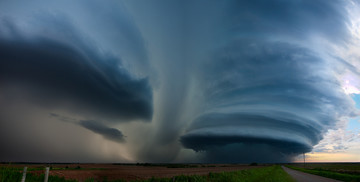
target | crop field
x=14, y=174
x=339, y=171
x=146, y=173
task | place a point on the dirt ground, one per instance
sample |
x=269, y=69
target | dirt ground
x=131, y=172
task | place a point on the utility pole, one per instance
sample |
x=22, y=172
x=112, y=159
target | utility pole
x=304, y=159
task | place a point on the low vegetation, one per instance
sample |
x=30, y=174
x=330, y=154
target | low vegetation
x=266, y=174
x=271, y=173
x=330, y=172
x=15, y=174
x=347, y=168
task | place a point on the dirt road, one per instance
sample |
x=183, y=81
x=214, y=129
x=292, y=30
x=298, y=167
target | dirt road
x=305, y=177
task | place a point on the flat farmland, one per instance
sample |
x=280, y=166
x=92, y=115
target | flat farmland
x=110, y=172
x=348, y=168
x=338, y=171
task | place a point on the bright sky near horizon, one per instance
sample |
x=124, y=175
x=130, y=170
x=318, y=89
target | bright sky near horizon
x=339, y=146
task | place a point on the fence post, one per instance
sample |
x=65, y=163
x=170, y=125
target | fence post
x=46, y=174
x=24, y=175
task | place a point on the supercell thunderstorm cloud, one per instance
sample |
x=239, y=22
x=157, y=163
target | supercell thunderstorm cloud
x=172, y=81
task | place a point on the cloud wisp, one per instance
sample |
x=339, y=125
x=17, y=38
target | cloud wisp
x=108, y=133
x=94, y=126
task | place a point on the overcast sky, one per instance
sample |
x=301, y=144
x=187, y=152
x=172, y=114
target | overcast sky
x=179, y=81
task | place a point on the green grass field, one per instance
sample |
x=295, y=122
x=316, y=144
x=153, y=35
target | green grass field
x=331, y=171
x=348, y=168
x=14, y=174
x=267, y=174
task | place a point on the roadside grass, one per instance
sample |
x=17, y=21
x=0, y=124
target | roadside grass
x=329, y=174
x=267, y=174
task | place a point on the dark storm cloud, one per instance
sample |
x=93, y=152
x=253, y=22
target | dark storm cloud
x=59, y=74
x=292, y=19
x=242, y=130
x=266, y=88
x=237, y=81
x=94, y=126
x=84, y=59
x=268, y=94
